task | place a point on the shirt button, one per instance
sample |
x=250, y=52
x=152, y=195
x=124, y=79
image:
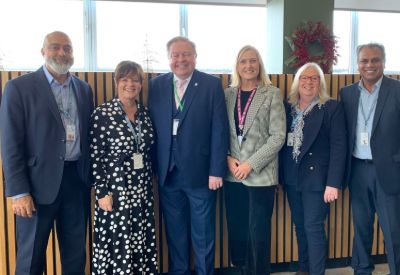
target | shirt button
x=311, y=168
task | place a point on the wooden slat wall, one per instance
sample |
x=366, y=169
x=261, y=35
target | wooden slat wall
x=284, y=247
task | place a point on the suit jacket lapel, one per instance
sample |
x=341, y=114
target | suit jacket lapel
x=230, y=105
x=42, y=86
x=190, y=93
x=79, y=101
x=167, y=108
x=312, y=125
x=258, y=100
x=354, y=98
x=383, y=93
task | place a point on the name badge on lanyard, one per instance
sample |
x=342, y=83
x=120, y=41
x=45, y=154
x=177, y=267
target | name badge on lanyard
x=137, y=158
x=137, y=161
x=242, y=115
x=364, y=138
x=290, y=140
x=71, y=134
x=175, y=126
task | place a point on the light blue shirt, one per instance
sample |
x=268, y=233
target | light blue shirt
x=367, y=103
x=66, y=102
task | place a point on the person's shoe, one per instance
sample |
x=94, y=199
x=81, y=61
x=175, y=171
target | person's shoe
x=301, y=273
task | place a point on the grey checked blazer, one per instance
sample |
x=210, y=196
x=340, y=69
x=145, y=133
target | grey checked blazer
x=263, y=135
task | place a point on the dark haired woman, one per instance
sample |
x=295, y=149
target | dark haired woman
x=121, y=140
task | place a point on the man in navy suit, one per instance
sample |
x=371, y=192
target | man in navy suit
x=44, y=119
x=372, y=109
x=190, y=120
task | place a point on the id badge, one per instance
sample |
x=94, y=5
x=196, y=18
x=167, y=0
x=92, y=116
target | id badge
x=137, y=161
x=71, y=135
x=175, y=126
x=290, y=141
x=364, y=140
x=240, y=139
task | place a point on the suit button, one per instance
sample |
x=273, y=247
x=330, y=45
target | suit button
x=61, y=158
x=63, y=140
x=311, y=168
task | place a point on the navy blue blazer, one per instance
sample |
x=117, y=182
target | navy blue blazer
x=203, y=130
x=322, y=159
x=33, y=136
x=385, y=136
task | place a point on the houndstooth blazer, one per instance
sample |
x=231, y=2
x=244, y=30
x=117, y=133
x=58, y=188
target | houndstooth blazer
x=263, y=135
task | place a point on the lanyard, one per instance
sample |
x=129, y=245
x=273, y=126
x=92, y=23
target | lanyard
x=242, y=115
x=137, y=136
x=68, y=103
x=366, y=118
x=181, y=103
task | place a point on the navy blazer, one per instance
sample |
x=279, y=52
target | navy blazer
x=33, y=136
x=203, y=130
x=322, y=159
x=385, y=136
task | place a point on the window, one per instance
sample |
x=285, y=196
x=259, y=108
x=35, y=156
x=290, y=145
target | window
x=221, y=31
x=135, y=31
x=342, y=22
x=104, y=33
x=23, y=30
x=381, y=27
x=365, y=27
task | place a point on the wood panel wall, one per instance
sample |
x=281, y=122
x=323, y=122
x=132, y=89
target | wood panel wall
x=284, y=248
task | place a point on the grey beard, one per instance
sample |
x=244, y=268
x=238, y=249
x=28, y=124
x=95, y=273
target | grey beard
x=59, y=68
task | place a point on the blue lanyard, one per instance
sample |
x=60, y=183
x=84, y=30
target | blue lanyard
x=366, y=118
x=137, y=136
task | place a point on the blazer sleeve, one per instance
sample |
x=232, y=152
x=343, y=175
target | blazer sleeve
x=219, y=133
x=338, y=147
x=277, y=132
x=12, y=141
x=150, y=108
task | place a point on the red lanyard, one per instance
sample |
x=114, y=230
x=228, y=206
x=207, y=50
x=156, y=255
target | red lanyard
x=242, y=116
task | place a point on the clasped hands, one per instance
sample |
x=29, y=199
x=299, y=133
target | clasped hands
x=239, y=170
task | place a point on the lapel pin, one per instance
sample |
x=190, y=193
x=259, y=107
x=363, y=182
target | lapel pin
x=195, y=84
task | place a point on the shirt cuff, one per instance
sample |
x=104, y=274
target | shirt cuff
x=20, y=196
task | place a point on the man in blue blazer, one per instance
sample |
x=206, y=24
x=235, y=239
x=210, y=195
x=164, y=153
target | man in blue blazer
x=190, y=120
x=44, y=120
x=373, y=124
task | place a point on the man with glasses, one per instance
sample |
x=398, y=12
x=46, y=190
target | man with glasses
x=373, y=167
x=189, y=116
x=44, y=119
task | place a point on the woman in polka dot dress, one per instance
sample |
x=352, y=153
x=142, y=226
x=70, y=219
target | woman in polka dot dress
x=121, y=140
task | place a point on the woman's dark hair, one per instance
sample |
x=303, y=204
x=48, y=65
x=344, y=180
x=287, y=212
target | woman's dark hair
x=125, y=68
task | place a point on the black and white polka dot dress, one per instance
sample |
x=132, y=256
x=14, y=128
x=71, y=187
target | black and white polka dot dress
x=124, y=239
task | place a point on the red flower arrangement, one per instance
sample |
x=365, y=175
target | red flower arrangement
x=312, y=42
